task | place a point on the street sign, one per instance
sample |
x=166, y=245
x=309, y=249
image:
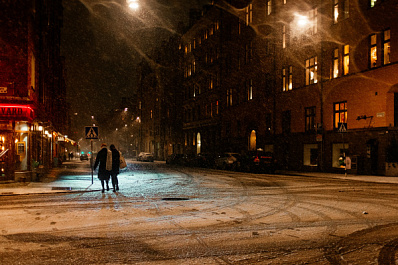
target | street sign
x=91, y=132
x=342, y=127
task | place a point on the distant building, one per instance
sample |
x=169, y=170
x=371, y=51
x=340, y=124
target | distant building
x=33, y=111
x=159, y=101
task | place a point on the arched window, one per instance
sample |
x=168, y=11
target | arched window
x=252, y=140
x=198, y=143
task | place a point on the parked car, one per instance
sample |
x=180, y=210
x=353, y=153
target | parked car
x=143, y=156
x=188, y=160
x=175, y=159
x=205, y=160
x=83, y=157
x=227, y=161
x=258, y=161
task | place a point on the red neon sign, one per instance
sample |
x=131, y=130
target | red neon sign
x=16, y=112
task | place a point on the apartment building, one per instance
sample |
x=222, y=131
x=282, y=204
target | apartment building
x=312, y=81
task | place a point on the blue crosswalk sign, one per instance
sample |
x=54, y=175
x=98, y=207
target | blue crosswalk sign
x=91, y=132
x=342, y=127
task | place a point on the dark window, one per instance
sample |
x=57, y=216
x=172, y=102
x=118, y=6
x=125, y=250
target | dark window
x=286, y=121
x=310, y=119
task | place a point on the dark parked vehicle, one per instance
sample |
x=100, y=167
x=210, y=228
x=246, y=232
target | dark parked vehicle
x=174, y=159
x=83, y=157
x=258, y=161
x=206, y=160
x=188, y=160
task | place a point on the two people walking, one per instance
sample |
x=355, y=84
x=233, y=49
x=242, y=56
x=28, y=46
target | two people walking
x=108, y=162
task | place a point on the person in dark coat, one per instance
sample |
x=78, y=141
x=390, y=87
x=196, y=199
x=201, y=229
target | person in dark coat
x=115, y=167
x=100, y=160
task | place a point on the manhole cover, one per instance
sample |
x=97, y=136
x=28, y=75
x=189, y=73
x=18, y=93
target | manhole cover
x=61, y=188
x=175, y=199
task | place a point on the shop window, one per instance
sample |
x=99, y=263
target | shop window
x=310, y=157
x=338, y=155
x=20, y=148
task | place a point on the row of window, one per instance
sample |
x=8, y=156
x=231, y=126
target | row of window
x=341, y=61
x=339, y=114
x=207, y=111
x=204, y=36
x=341, y=10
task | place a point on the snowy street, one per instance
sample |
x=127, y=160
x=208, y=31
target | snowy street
x=175, y=215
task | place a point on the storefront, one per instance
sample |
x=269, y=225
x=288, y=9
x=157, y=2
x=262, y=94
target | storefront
x=26, y=143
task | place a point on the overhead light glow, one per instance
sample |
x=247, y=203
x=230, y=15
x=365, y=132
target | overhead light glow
x=133, y=4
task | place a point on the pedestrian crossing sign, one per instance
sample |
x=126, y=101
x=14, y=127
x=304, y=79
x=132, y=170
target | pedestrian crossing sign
x=91, y=132
x=342, y=127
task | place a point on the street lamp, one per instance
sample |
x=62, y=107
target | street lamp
x=133, y=4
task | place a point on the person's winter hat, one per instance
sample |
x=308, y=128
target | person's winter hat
x=103, y=145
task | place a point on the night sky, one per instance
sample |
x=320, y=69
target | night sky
x=102, y=42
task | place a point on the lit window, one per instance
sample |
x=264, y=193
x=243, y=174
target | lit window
x=229, y=97
x=346, y=60
x=373, y=3
x=284, y=81
x=283, y=36
x=386, y=47
x=249, y=85
x=336, y=63
x=340, y=113
x=269, y=7
x=311, y=71
x=249, y=14
x=290, y=80
x=336, y=11
x=373, y=50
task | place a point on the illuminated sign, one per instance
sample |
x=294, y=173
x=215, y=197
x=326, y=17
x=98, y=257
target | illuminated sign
x=16, y=112
x=3, y=89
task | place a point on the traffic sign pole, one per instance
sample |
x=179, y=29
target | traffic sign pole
x=91, y=163
x=91, y=133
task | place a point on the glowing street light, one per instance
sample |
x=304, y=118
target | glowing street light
x=133, y=4
x=302, y=21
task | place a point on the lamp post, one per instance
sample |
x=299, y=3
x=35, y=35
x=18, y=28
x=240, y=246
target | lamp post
x=305, y=25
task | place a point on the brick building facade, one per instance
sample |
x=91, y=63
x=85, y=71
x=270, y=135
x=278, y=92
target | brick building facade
x=33, y=116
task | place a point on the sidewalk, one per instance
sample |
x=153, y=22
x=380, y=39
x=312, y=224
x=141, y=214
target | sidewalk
x=366, y=178
x=50, y=183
